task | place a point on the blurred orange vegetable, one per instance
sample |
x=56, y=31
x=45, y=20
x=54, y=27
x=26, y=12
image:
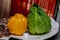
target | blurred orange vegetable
x=17, y=24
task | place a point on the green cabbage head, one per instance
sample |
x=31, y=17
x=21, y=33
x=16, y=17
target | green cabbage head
x=38, y=20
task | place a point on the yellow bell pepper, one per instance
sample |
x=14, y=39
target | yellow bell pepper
x=17, y=24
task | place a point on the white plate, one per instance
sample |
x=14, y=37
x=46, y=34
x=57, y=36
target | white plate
x=54, y=30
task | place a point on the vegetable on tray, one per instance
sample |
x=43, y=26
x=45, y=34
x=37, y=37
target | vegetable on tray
x=38, y=21
x=17, y=24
